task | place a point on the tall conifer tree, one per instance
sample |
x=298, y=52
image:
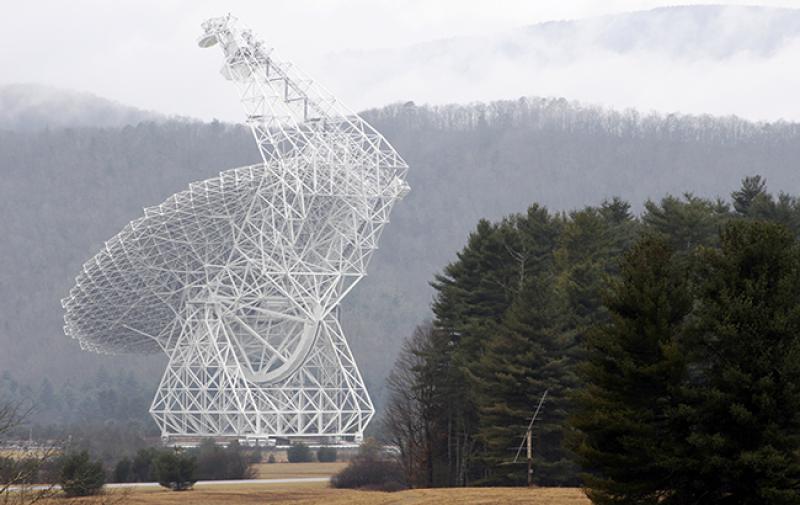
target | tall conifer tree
x=523, y=360
x=742, y=412
x=632, y=372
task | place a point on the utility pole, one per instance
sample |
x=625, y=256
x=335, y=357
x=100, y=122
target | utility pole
x=530, y=457
x=529, y=439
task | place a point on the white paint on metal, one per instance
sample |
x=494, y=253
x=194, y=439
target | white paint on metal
x=238, y=278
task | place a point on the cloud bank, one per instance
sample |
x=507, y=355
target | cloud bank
x=709, y=59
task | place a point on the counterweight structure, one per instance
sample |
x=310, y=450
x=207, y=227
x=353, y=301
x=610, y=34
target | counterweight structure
x=238, y=278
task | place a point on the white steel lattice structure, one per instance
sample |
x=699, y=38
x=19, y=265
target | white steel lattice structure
x=238, y=278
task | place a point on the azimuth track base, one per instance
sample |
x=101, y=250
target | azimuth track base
x=204, y=392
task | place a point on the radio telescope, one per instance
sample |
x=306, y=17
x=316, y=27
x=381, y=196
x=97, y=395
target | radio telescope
x=238, y=278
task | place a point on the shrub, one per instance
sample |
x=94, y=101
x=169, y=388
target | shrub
x=49, y=470
x=218, y=463
x=370, y=469
x=7, y=470
x=175, y=470
x=142, y=465
x=299, y=453
x=122, y=470
x=326, y=455
x=18, y=471
x=80, y=476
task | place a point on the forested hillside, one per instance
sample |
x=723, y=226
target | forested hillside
x=65, y=191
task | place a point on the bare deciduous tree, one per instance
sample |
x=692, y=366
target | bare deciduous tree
x=404, y=420
x=20, y=469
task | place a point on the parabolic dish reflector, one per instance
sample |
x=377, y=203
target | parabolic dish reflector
x=238, y=278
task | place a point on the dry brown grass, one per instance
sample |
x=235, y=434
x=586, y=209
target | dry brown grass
x=308, y=494
x=289, y=470
x=28, y=453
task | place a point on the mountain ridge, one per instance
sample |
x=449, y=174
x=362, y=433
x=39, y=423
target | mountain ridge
x=31, y=106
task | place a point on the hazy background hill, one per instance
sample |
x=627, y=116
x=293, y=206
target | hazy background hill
x=65, y=191
x=34, y=106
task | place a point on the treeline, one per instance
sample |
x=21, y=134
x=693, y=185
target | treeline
x=211, y=462
x=691, y=391
x=559, y=114
x=107, y=414
x=121, y=396
x=548, y=301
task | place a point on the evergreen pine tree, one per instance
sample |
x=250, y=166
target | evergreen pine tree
x=470, y=300
x=632, y=371
x=742, y=413
x=522, y=361
x=473, y=297
x=752, y=188
x=686, y=223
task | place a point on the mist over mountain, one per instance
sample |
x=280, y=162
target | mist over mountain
x=693, y=59
x=34, y=106
x=711, y=32
x=66, y=191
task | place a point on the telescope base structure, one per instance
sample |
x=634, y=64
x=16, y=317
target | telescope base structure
x=205, y=393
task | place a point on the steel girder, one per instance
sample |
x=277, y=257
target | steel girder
x=238, y=278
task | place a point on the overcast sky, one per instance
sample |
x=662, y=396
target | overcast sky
x=143, y=52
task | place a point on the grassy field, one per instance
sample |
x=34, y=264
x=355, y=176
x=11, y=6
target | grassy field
x=307, y=494
x=320, y=493
x=289, y=470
